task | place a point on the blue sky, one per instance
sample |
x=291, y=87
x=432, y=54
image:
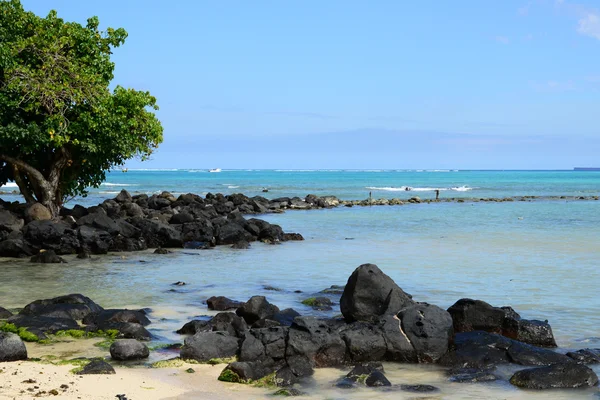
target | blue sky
x=356, y=84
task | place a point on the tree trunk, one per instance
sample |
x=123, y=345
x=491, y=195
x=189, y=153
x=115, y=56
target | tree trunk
x=44, y=190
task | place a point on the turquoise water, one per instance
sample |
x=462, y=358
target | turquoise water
x=349, y=184
x=540, y=257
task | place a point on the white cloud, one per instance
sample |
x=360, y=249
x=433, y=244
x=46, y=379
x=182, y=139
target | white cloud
x=553, y=86
x=502, y=39
x=589, y=25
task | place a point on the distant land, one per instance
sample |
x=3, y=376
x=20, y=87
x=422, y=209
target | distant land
x=586, y=169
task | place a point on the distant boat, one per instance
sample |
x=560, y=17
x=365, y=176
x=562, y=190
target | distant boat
x=215, y=170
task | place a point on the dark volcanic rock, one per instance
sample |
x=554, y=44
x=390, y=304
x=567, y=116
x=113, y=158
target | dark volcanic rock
x=286, y=317
x=128, y=349
x=47, y=257
x=75, y=306
x=158, y=234
x=257, y=308
x=241, y=245
x=10, y=222
x=364, y=342
x=377, y=379
x=555, y=376
x=429, y=330
x=231, y=233
x=97, y=367
x=398, y=347
x=471, y=375
x=160, y=250
x=40, y=325
x=246, y=371
x=585, y=356
x=117, y=315
x=481, y=349
x=370, y=294
x=16, y=248
x=12, y=347
x=194, y=326
x=221, y=303
x=476, y=315
x=419, y=388
x=4, y=313
x=204, y=346
x=318, y=340
x=123, y=197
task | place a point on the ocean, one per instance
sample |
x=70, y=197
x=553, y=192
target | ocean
x=541, y=257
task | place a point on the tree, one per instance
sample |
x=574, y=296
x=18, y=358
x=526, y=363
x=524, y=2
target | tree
x=61, y=126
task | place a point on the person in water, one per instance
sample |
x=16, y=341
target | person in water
x=437, y=194
x=407, y=188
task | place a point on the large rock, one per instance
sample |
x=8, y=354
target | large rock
x=370, y=294
x=558, y=376
x=480, y=349
x=37, y=212
x=12, y=347
x=97, y=367
x=16, y=248
x=158, y=234
x=51, y=235
x=40, y=325
x=47, y=257
x=231, y=233
x=201, y=230
x=10, y=222
x=128, y=349
x=429, y=330
x=4, y=313
x=257, y=308
x=100, y=221
x=221, y=303
x=318, y=340
x=585, y=356
x=117, y=315
x=224, y=322
x=476, y=315
x=75, y=306
x=123, y=197
x=94, y=240
x=204, y=346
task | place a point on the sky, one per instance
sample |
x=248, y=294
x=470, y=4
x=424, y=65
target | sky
x=510, y=84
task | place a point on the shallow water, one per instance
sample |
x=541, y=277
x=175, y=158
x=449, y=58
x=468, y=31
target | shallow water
x=539, y=257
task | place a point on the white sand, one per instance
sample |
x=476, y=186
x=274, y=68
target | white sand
x=135, y=383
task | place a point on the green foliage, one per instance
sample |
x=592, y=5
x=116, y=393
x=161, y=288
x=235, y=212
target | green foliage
x=23, y=333
x=57, y=113
x=105, y=344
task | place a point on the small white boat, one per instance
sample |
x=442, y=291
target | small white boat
x=215, y=170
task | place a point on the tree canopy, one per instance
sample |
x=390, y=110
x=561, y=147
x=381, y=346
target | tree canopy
x=61, y=125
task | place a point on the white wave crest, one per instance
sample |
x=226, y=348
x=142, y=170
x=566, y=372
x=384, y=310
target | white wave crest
x=232, y=187
x=419, y=189
x=116, y=184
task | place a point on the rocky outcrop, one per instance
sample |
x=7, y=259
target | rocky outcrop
x=476, y=315
x=74, y=306
x=370, y=294
x=132, y=223
x=4, y=313
x=257, y=308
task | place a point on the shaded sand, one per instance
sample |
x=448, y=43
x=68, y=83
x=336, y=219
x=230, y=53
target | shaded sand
x=135, y=383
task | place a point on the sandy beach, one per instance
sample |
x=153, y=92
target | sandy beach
x=28, y=380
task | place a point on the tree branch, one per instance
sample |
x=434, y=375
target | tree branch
x=23, y=166
x=25, y=191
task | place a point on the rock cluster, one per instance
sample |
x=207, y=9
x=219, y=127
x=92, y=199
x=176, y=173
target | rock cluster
x=130, y=223
x=43, y=317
